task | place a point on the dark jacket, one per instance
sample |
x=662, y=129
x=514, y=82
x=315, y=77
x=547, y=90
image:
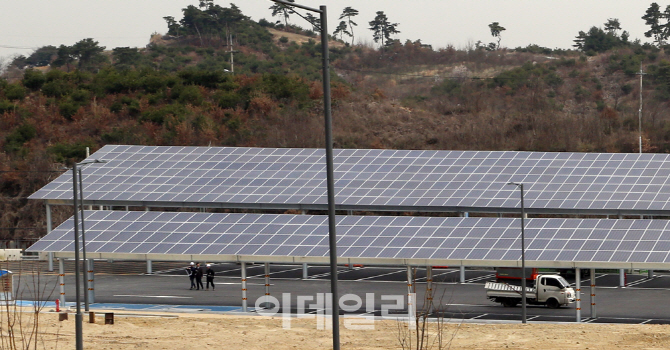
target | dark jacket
x=210, y=274
x=190, y=271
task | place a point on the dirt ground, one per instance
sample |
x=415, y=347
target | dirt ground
x=299, y=38
x=208, y=331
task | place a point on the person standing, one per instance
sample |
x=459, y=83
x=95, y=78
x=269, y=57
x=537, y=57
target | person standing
x=198, y=276
x=210, y=276
x=190, y=271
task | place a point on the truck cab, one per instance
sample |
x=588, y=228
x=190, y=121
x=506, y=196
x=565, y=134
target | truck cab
x=554, y=291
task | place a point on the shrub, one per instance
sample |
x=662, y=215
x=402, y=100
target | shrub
x=448, y=86
x=15, y=140
x=80, y=96
x=116, y=107
x=153, y=83
x=552, y=79
x=228, y=99
x=6, y=106
x=55, y=74
x=190, y=95
x=114, y=82
x=118, y=136
x=68, y=109
x=159, y=115
x=207, y=78
x=284, y=87
x=56, y=88
x=63, y=152
x=33, y=79
x=15, y=92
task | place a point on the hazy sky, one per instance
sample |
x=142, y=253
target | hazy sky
x=26, y=25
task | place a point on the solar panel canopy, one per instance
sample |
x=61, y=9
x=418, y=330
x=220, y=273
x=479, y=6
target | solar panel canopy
x=367, y=179
x=400, y=240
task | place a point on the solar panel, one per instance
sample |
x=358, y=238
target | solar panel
x=475, y=241
x=290, y=178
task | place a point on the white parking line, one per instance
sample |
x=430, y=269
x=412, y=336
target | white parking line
x=375, y=276
x=632, y=284
x=272, y=273
x=476, y=279
x=476, y=317
x=438, y=275
x=152, y=296
x=469, y=305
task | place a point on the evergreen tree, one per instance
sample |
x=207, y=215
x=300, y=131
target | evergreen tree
x=496, y=29
x=282, y=11
x=657, y=29
x=347, y=13
x=314, y=21
x=612, y=26
x=87, y=51
x=382, y=29
x=341, y=29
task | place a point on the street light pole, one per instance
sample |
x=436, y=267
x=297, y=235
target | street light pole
x=332, y=236
x=523, y=255
x=79, y=339
x=78, y=317
x=83, y=239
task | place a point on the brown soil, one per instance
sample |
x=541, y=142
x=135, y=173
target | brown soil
x=299, y=38
x=190, y=331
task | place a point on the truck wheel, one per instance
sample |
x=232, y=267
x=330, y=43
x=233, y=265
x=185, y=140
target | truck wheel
x=553, y=304
x=510, y=302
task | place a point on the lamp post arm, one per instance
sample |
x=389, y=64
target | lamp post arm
x=291, y=4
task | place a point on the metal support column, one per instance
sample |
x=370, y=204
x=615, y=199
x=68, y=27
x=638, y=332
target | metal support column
x=578, y=294
x=305, y=271
x=61, y=281
x=267, y=285
x=91, y=279
x=593, y=294
x=650, y=274
x=462, y=280
x=429, y=289
x=244, y=286
x=410, y=302
x=149, y=268
x=50, y=255
x=622, y=278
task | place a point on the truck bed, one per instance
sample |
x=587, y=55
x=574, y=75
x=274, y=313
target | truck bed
x=500, y=289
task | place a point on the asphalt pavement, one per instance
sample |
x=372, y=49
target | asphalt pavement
x=367, y=291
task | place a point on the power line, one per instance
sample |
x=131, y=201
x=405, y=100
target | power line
x=18, y=47
x=442, y=76
x=31, y=171
x=19, y=228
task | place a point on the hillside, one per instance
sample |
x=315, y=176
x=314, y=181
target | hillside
x=178, y=91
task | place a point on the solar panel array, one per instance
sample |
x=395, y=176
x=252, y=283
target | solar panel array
x=367, y=237
x=371, y=179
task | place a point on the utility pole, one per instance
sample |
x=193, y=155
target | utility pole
x=231, y=52
x=641, y=73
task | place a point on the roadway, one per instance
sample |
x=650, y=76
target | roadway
x=644, y=301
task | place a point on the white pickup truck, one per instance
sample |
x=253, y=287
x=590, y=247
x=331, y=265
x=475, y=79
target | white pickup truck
x=551, y=290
